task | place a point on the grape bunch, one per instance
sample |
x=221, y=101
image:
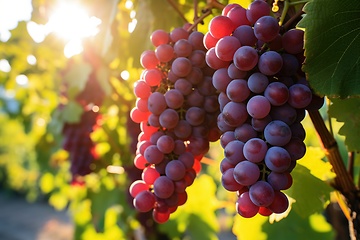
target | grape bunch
x=263, y=95
x=77, y=140
x=177, y=108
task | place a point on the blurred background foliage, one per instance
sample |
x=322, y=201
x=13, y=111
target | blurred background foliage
x=36, y=58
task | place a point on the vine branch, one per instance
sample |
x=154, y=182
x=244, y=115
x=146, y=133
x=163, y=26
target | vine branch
x=343, y=181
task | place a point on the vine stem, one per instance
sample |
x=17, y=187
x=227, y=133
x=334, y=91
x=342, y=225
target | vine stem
x=343, y=180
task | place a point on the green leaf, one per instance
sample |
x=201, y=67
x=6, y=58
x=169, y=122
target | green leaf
x=71, y=112
x=332, y=47
x=310, y=193
x=78, y=75
x=348, y=112
x=197, y=216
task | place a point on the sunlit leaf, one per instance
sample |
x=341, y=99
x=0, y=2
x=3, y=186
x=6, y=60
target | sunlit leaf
x=332, y=47
x=318, y=168
x=47, y=182
x=348, y=112
x=78, y=74
x=310, y=193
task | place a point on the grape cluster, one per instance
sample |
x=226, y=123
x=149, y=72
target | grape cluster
x=263, y=95
x=77, y=140
x=177, y=108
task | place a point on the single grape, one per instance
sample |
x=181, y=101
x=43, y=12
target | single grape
x=277, y=133
x=175, y=170
x=156, y=103
x=234, y=151
x=300, y=96
x=238, y=90
x=277, y=159
x=221, y=26
x=226, y=47
x=159, y=37
x=270, y=63
x=245, y=58
x=293, y=41
x=144, y=201
x=183, y=48
x=174, y=98
x=181, y=66
x=245, y=207
x=234, y=114
x=255, y=150
x=164, y=52
x=163, y=187
x=261, y=194
x=245, y=34
x=246, y=173
x=148, y=59
x=238, y=16
x=266, y=29
x=279, y=181
x=258, y=106
x=258, y=82
x=277, y=93
x=280, y=203
x=165, y=144
x=256, y=10
x=169, y=118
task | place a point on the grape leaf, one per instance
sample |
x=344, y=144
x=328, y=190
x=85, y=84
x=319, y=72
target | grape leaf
x=332, y=47
x=198, y=212
x=309, y=200
x=293, y=227
x=78, y=75
x=348, y=111
x=71, y=112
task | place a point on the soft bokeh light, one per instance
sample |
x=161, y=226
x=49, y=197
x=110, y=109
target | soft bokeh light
x=22, y=80
x=125, y=75
x=31, y=59
x=4, y=65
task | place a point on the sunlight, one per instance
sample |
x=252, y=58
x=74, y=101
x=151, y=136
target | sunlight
x=71, y=21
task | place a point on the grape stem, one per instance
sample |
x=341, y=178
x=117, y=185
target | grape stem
x=215, y=4
x=198, y=20
x=343, y=181
x=293, y=18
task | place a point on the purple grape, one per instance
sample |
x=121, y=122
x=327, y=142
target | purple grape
x=261, y=194
x=246, y=173
x=277, y=133
x=270, y=63
x=245, y=58
x=277, y=159
x=258, y=106
x=245, y=207
x=255, y=150
x=266, y=29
